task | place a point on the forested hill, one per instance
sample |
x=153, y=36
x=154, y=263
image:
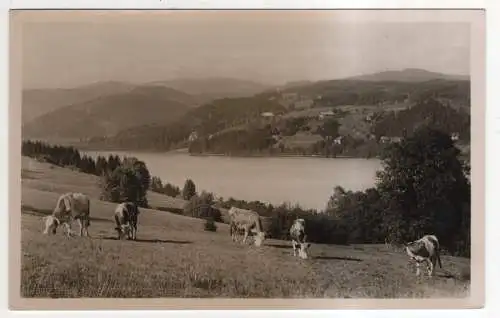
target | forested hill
x=214, y=117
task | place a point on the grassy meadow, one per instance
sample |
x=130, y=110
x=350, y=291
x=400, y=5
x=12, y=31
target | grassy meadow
x=174, y=257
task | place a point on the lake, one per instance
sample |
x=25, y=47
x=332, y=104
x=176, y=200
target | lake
x=307, y=181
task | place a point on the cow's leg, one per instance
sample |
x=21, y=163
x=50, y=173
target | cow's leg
x=86, y=226
x=431, y=263
x=67, y=228
x=418, y=268
x=294, y=248
x=245, y=237
x=80, y=223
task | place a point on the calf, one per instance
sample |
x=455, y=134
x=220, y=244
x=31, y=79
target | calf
x=126, y=215
x=425, y=249
x=299, y=237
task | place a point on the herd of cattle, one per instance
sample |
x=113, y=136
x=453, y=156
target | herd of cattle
x=76, y=206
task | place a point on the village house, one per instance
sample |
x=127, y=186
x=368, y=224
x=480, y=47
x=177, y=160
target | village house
x=267, y=114
x=370, y=117
x=385, y=139
x=323, y=115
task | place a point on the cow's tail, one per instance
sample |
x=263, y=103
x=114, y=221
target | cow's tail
x=439, y=257
x=88, y=214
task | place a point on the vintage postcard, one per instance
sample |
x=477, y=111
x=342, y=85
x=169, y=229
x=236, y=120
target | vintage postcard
x=228, y=159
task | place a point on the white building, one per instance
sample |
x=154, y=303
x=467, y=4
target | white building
x=267, y=114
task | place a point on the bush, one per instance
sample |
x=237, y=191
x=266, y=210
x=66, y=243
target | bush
x=210, y=225
x=202, y=207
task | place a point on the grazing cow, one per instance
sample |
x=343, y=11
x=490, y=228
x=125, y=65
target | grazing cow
x=299, y=237
x=69, y=207
x=247, y=221
x=126, y=214
x=425, y=249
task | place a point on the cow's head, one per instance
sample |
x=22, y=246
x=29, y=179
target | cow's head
x=303, y=248
x=259, y=238
x=123, y=230
x=51, y=224
x=62, y=205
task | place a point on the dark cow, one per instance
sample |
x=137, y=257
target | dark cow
x=126, y=215
x=426, y=250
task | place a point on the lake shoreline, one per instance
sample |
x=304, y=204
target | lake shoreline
x=275, y=156
x=208, y=154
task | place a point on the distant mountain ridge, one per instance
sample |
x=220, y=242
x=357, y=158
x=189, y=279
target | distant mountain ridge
x=407, y=75
x=37, y=102
x=215, y=88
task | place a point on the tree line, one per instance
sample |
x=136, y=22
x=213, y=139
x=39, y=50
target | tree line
x=126, y=179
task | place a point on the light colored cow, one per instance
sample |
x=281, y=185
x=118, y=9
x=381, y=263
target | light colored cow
x=126, y=215
x=425, y=249
x=69, y=207
x=247, y=221
x=299, y=238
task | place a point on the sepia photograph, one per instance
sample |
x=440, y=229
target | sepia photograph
x=248, y=154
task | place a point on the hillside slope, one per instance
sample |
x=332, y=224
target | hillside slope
x=37, y=102
x=174, y=257
x=106, y=116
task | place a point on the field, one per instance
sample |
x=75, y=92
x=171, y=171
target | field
x=175, y=257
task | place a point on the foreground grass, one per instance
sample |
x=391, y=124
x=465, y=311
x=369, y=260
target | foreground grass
x=174, y=257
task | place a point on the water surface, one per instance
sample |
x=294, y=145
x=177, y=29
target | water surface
x=307, y=181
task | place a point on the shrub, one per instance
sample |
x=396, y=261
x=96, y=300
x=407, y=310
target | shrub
x=202, y=207
x=210, y=225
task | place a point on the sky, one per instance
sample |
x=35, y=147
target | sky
x=273, y=47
